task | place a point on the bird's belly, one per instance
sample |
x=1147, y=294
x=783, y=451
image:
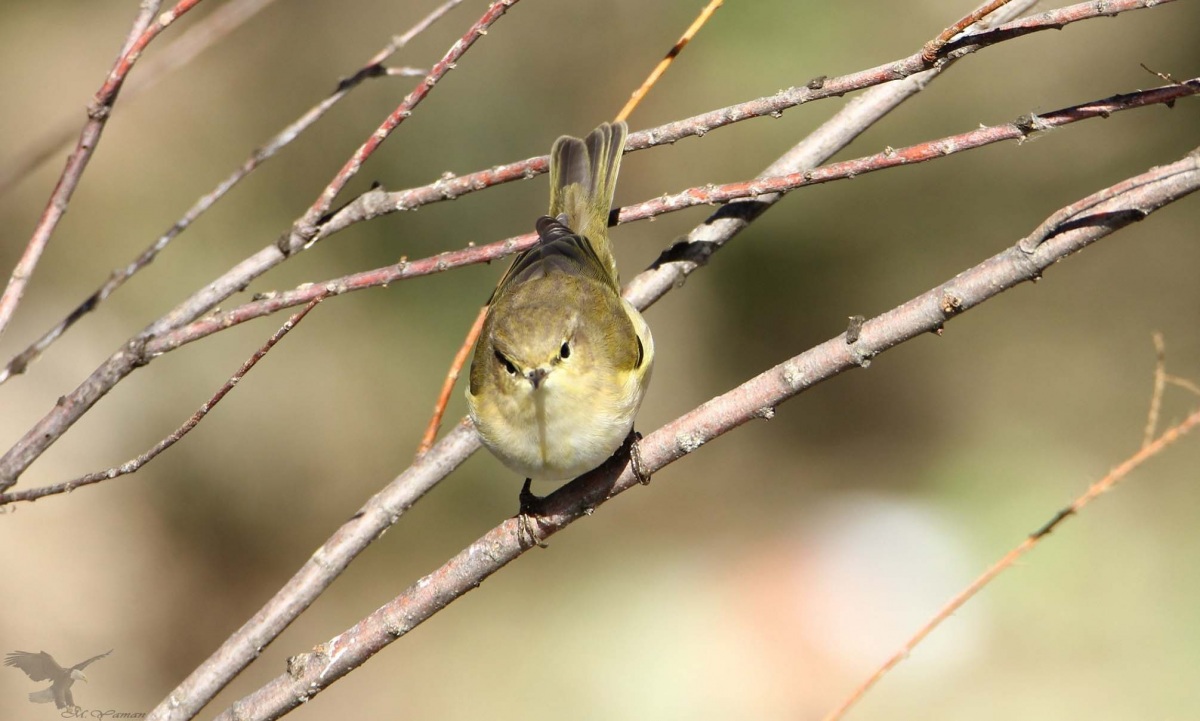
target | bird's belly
x=564, y=438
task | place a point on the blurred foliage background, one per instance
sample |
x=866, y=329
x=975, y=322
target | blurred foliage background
x=763, y=577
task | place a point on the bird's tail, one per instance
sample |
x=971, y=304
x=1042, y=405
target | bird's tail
x=583, y=176
x=46, y=695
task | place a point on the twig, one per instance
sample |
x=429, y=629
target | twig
x=456, y=366
x=375, y=203
x=372, y=68
x=310, y=673
x=136, y=464
x=1160, y=383
x=133, y=354
x=700, y=195
x=933, y=47
x=1183, y=383
x=1101, y=486
x=98, y=112
x=663, y=64
x=190, y=43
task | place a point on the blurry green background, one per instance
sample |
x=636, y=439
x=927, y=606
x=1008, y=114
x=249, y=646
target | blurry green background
x=763, y=577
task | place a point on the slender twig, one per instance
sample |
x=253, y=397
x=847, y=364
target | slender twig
x=135, y=464
x=673, y=53
x=1160, y=384
x=1183, y=383
x=310, y=673
x=180, y=51
x=99, y=111
x=372, y=68
x=1101, y=486
x=377, y=202
x=456, y=366
x=700, y=195
x=930, y=52
x=133, y=354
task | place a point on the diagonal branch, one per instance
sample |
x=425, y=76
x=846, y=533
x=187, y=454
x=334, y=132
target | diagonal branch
x=310, y=673
x=133, y=354
x=700, y=195
x=373, y=68
x=99, y=111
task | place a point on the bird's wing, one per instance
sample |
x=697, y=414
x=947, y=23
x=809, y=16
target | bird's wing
x=37, y=666
x=82, y=664
x=559, y=249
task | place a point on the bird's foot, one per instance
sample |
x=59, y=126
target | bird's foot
x=633, y=442
x=528, y=533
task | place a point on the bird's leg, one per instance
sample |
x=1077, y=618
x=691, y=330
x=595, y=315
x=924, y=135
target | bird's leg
x=633, y=441
x=531, y=507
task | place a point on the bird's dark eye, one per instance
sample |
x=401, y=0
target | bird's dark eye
x=565, y=351
x=508, y=366
x=641, y=354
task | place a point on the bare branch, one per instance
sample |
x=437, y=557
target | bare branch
x=372, y=68
x=136, y=464
x=375, y=203
x=1115, y=476
x=133, y=354
x=310, y=673
x=193, y=41
x=701, y=195
x=98, y=112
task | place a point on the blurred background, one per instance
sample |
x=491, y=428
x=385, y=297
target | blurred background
x=764, y=576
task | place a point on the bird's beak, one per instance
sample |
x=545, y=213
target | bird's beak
x=536, y=376
x=82, y=676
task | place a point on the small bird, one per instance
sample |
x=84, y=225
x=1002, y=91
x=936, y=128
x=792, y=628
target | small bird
x=562, y=362
x=43, y=667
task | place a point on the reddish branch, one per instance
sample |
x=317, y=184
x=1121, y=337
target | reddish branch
x=378, y=202
x=1151, y=448
x=930, y=52
x=198, y=37
x=703, y=195
x=133, y=354
x=98, y=112
x=177, y=435
x=371, y=69
x=310, y=673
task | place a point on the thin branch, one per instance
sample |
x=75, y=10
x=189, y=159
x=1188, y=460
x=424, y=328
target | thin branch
x=372, y=68
x=673, y=53
x=1160, y=384
x=701, y=195
x=310, y=673
x=223, y=20
x=98, y=112
x=1101, y=486
x=136, y=464
x=133, y=354
x=456, y=366
x=930, y=52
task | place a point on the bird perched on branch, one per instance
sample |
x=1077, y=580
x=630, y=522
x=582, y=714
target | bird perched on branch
x=562, y=362
x=43, y=667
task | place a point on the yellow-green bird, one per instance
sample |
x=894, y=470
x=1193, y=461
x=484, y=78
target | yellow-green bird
x=562, y=362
